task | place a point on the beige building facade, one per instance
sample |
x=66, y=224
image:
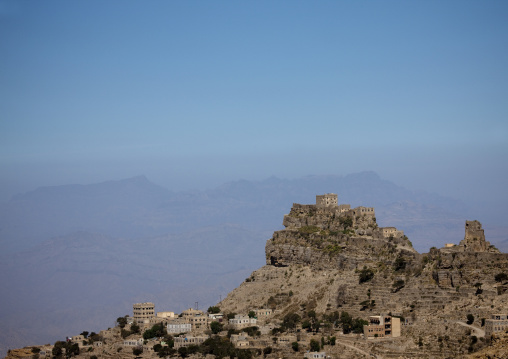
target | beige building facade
x=381, y=326
x=143, y=312
x=496, y=324
x=185, y=341
x=242, y=321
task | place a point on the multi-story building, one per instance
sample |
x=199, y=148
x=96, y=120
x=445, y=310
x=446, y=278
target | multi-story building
x=381, y=326
x=143, y=312
x=497, y=323
x=196, y=318
x=178, y=325
x=242, y=321
x=264, y=313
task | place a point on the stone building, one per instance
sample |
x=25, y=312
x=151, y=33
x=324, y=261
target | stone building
x=165, y=315
x=364, y=211
x=178, y=325
x=263, y=314
x=80, y=340
x=133, y=342
x=189, y=313
x=196, y=318
x=216, y=317
x=388, y=232
x=185, y=341
x=143, y=312
x=242, y=321
x=327, y=200
x=474, y=240
x=240, y=340
x=496, y=324
x=315, y=355
x=381, y=326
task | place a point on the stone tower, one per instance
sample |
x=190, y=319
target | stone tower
x=474, y=239
x=327, y=200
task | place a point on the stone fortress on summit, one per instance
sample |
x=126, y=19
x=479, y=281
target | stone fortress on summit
x=327, y=205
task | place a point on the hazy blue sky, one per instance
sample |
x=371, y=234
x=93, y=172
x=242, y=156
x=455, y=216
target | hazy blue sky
x=195, y=93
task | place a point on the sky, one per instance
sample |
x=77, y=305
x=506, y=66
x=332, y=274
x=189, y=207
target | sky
x=196, y=93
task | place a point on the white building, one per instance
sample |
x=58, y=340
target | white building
x=176, y=326
x=242, y=321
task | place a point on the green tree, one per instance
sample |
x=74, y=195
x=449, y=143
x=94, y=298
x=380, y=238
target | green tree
x=252, y=314
x=56, y=351
x=166, y=351
x=291, y=320
x=314, y=345
x=213, y=310
x=85, y=334
x=470, y=319
x=400, y=264
x=71, y=349
x=358, y=324
x=157, y=330
x=398, y=285
x=183, y=352
x=252, y=331
x=306, y=325
x=347, y=322
x=137, y=351
x=366, y=274
x=295, y=346
x=346, y=222
x=267, y=350
x=122, y=322
x=135, y=328
x=501, y=277
x=216, y=327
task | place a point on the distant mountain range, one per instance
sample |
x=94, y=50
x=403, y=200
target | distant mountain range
x=137, y=208
x=75, y=257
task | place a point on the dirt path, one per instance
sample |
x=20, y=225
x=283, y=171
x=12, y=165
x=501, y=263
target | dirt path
x=477, y=331
x=361, y=351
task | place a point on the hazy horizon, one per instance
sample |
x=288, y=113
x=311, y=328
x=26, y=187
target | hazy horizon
x=194, y=94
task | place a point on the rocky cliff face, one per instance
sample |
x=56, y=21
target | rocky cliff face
x=333, y=238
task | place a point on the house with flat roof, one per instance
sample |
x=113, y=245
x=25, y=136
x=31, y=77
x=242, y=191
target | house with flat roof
x=496, y=324
x=381, y=326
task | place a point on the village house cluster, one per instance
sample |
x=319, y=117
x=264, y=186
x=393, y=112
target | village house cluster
x=192, y=327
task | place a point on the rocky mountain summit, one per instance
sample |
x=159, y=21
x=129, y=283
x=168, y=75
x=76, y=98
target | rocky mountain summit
x=332, y=262
x=333, y=258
